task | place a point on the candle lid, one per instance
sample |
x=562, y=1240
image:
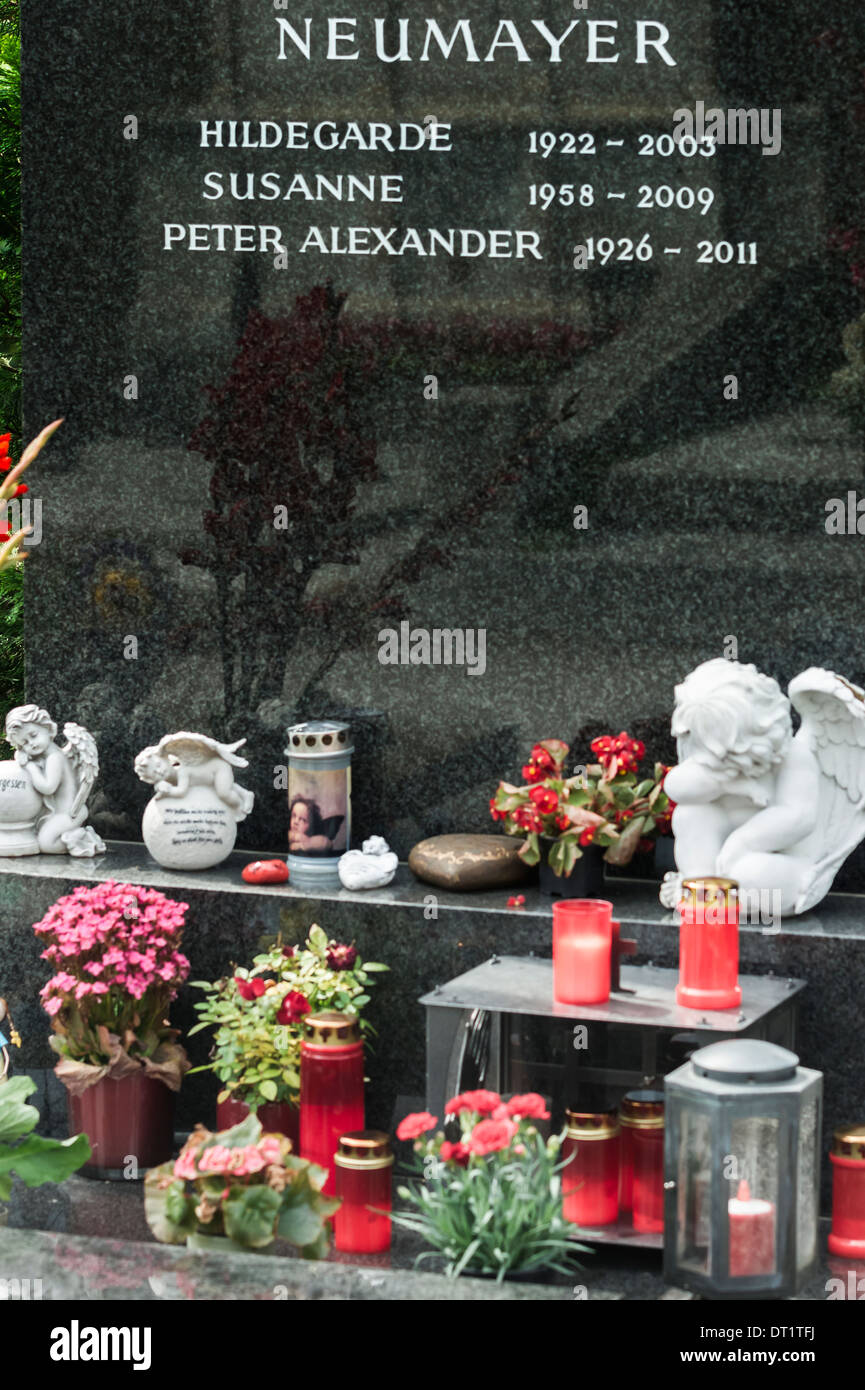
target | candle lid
x=639, y=1107
x=331, y=1029
x=848, y=1141
x=318, y=737
x=595, y=1125
x=709, y=892
x=364, y=1148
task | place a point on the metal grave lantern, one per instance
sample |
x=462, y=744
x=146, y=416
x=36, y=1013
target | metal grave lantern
x=742, y=1171
x=319, y=801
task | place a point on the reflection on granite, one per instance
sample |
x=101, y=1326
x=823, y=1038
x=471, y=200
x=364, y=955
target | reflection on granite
x=89, y=1241
x=706, y=514
x=839, y=915
x=102, y=1224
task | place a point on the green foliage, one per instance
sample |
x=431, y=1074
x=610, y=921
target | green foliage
x=35, y=1160
x=10, y=231
x=250, y=1213
x=256, y=1058
x=605, y=805
x=499, y=1214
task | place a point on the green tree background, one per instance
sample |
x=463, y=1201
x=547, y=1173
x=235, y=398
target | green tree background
x=11, y=618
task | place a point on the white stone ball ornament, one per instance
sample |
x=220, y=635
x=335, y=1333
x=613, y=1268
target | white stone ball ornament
x=191, y=820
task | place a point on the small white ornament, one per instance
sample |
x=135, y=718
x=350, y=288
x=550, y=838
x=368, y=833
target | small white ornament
x=43, y=793
x=778, y=814
x=191, y=820
x=372, y=867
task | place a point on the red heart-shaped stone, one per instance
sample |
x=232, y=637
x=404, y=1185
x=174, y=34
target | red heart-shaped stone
x=265, y=871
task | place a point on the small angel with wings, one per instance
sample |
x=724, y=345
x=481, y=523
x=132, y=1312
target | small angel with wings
x=184, y=760
x=777, y=813
x=62, y=777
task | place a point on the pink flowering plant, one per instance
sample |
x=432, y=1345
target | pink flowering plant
x=258, y=1014
x=115, y=949
x=491, y=1199
x=243, y=1185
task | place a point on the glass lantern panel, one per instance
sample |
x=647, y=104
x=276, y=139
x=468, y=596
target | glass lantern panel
x=694, y=1191
x=806, y=1197
x=751, y=1170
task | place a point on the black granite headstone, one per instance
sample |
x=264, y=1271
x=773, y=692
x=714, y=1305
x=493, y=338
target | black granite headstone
x=421, y=321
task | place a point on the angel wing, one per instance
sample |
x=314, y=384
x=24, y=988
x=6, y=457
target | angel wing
x=197, y=748
x=83, y=754
x=833, y=727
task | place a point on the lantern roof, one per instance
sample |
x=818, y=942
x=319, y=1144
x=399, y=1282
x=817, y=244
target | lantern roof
x=745, y=1059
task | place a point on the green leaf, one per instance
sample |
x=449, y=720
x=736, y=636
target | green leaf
x=530, y=852
x=623, y=850
x=240, y=1136
x=563, y=855
x=319, y=1248
x=300, y=1224
x=268, y=1090
x=39, y=1160
x=316, y=1176
x=250, y=1216
x=17, y=1118
x=169, y=1213
x=317, y=940
x=374, y=965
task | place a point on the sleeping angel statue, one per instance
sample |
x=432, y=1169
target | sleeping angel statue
x=776, y=812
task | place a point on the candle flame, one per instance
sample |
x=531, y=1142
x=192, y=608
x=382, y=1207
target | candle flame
x=744, y=1192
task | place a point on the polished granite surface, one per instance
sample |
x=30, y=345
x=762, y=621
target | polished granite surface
x=840, y=915
x=88, y=1240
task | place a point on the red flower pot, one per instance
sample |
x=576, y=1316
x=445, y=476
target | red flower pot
x=130, y=1125
x=281, y=1118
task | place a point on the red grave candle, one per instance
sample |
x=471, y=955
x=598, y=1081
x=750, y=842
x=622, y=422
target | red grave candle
x=633, y=1106
x=364, y=1164
x=709, y=945
x=647, y=1139
x=331, y=1087
x=582, y=945
x=590, y=1178
x=752, y=1234
x=847, y=1236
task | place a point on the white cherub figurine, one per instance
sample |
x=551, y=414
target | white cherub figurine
x=778, y=814
x=62, y=777
x=191, y=820
x=184, y=760
x=372, y=867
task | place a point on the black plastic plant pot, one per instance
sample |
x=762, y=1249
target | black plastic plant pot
x=586, y=879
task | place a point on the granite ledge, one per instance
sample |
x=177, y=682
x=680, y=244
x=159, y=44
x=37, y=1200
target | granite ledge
x=96, y=1269
x=839, y=916
x=93, y=1269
